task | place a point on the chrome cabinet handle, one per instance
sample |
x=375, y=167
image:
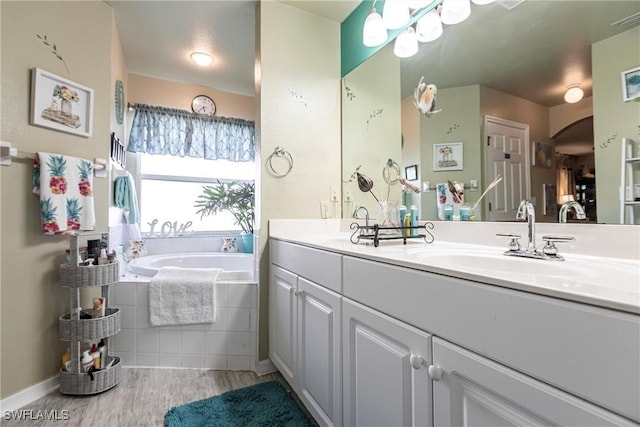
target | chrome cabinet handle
x=297, y=292
x=435, y=372
x=416, y=361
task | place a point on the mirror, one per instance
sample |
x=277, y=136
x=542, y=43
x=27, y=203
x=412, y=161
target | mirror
x=508, y=64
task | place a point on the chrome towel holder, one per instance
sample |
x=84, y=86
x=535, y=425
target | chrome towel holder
x=280, y=152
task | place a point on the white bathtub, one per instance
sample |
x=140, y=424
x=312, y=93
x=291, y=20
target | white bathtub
x=236, y=266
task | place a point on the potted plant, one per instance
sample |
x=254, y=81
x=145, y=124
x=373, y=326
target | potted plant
x=237, y=197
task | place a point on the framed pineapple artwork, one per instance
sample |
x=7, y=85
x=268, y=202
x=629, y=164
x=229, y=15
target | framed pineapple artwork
x=60, y=104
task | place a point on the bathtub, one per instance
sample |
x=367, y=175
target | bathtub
x=235, y=266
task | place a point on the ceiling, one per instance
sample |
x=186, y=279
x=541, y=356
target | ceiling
x=495, y=47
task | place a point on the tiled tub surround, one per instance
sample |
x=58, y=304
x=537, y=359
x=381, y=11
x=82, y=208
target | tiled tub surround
x=229, y=343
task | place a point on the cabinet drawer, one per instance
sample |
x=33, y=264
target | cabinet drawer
x=321, y=267
x=589, y=351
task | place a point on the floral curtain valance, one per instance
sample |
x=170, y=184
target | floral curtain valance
x=160, y=130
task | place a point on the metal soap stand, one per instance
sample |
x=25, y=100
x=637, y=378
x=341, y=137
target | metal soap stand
x=372, y=232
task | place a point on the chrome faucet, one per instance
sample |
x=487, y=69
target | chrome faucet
x=366, y=214
x=527, y=212
x=577, y=207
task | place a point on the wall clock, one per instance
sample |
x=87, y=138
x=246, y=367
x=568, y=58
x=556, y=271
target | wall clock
x=119, y=102
x=202, y=104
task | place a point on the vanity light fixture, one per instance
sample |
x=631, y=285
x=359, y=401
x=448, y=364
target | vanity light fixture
x=406, y=44
x=374, y=32
x=573, y=94
x=455, y=11
x=482, y=2
x=201, y=58
x=395, y=14
x=429, y=27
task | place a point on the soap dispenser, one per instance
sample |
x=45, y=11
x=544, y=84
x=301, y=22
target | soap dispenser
x=414, y=220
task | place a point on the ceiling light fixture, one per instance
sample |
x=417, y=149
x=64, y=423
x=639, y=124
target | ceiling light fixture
x=201, y=58
x=482, y=2
x=374, y=32
x=429, y=27
x=573, y=94
x=455, y=11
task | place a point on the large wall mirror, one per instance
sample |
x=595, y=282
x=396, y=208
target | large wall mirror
x=501, y=77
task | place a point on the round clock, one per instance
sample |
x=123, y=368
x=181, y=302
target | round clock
x=119, y=102
x=202, y=104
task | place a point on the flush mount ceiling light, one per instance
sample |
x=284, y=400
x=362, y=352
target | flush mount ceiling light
x=374, y=32
x=406, y=44
x=455, y=11
x=395, y=14
x=201, y=58
x=574, y=94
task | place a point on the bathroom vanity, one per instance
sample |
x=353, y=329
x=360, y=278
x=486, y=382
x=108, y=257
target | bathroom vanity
x=418, y=334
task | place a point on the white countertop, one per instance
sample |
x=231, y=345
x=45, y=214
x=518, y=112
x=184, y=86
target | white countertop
x=597, y=280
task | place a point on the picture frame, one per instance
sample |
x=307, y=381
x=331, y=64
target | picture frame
x=411, y=173
x=60, y=104
x=448, y=156
x=542, y=154
x=631, y=84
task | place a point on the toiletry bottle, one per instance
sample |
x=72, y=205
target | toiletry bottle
x=406, y=232
x=66, y=358
x=403, y=212
x=95, y=356
x=102, y=349
x=414, y=219
x=87, y=361
x=102, y=259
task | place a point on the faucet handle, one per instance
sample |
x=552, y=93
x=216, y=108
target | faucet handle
x=514, y=245
x=550, y=247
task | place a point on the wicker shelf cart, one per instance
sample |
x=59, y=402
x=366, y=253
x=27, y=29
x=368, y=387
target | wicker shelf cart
x=75, y=277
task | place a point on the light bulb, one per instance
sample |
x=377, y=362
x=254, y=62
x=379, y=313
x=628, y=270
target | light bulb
x=482, y=2
x=573, y=94
x=201, y=58
x=395, y=14
x=429, y=27
x=374, y=33
x=455, y=11
x=406, y=44
x=417, y=4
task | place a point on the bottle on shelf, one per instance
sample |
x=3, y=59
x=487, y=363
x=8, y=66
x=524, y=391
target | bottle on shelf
x=87, y=361
x=95, y=356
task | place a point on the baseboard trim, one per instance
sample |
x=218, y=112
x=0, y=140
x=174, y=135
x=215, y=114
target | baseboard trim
x=266, y=367
x=29, y=394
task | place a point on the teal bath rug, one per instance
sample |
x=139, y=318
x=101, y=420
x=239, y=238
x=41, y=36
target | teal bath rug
x=264, y=404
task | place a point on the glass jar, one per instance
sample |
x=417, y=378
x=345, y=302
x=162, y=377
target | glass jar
x=388, y=216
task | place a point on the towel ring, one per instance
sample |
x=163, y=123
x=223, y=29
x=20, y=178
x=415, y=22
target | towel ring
x=280, y=152
x=389, y=170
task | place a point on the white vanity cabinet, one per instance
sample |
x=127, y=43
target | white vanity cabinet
x=385, y=362
x=471, y=390
x=304, y=328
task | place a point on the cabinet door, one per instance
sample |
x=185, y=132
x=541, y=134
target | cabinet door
x=385, y=380
x=475, y=391
x=319, y=373
x=282, y=322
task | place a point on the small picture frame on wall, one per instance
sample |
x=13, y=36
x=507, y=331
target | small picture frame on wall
x=448, y=156
x=541, y=155
x=60, y=104
x=631, y=85
x=411, y=172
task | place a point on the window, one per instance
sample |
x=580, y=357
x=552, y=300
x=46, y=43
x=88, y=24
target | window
x=169, y=186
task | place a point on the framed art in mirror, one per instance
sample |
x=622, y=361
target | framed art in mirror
x=448, y=157
x=60, y=104
x=411, y=172
x=631, y=85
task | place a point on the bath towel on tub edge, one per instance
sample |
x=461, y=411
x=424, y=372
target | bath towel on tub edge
x=182, y=296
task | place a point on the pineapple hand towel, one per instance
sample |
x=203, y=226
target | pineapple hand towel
x=65, y=187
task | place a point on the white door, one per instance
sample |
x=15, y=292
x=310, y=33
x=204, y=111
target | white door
x=282, y=322
x=384, y=381
x=319, y=363
x=475, y=391
x=506, y=154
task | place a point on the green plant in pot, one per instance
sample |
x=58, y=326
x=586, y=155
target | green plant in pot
x=236, y=197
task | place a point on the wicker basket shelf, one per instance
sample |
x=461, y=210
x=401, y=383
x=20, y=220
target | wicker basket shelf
x=89, y=329
x=76, y=276
x=79, y=384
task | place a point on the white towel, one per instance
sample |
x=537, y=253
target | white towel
x=182, y=296
x=65, y=187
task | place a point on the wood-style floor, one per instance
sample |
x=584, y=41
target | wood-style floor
x=142, y=398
